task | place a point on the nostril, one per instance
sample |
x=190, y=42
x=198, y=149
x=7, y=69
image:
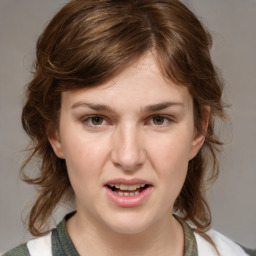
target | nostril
x=128, y=156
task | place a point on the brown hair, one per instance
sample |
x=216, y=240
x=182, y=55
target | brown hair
x=89, y=41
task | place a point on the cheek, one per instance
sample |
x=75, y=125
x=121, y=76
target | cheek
x=172, y=150
x=170, y=159
x=84, y=159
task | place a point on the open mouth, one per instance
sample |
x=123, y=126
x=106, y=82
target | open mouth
x=128, y=190
x=128, y=193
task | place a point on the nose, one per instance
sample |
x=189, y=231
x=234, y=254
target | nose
x=127, y=148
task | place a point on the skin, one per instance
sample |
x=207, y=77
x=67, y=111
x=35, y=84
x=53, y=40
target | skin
x=130, y=141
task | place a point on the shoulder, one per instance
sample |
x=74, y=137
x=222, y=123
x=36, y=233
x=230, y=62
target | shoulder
x=38, y=246
x=225, y=245
x=20, y=250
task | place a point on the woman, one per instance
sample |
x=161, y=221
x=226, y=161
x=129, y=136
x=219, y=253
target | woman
x=121, y=112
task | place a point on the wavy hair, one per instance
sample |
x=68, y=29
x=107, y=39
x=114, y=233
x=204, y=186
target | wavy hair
x=86, y=43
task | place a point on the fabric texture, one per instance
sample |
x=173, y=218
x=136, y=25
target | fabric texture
x=61, y=241
x=44, y=243
x=58, y=243
x=21, y=250
x=224, y=245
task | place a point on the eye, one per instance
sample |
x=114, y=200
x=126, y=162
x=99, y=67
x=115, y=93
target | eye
x=97, y=120
x=94, y=120
x=159, y=120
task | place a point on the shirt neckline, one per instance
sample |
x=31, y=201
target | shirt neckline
x=63, y=245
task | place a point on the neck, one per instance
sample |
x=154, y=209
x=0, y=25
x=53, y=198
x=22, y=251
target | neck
x=166, y=237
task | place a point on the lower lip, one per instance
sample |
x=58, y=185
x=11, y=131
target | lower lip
x=129, y=201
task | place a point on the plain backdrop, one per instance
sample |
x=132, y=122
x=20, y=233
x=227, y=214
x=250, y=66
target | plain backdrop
x=233, y=26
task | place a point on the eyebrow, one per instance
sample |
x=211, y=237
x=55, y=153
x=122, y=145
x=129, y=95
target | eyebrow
x=161, y=106
x=149, y=108
x=97, y=107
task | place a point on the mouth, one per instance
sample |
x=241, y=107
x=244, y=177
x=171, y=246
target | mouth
x=128, y=190
x=128, y=193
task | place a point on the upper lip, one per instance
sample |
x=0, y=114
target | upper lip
x=128, y=181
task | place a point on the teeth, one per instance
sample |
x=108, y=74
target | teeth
x=123, y=187
x=132, y=187
x=126, y=193
x=127, y=187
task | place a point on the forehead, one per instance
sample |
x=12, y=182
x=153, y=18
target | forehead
x=139, y=84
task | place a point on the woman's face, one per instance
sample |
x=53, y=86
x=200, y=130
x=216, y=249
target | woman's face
x=127, y=144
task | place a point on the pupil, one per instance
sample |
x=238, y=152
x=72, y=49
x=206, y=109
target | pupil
x=158, y=120
x=97, y=120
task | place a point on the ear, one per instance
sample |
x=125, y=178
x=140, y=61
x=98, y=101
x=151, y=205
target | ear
x=54, y=139
x=199, y=137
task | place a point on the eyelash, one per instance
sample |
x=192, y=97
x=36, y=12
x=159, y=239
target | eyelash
x=88, y=120
x=166, y=120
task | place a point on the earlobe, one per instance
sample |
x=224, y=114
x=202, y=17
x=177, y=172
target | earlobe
x=55, y=142
x=199, y=137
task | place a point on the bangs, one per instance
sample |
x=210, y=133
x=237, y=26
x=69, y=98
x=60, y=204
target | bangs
x=92, y=45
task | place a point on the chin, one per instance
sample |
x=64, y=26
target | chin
x=128, y=229
x=125, y=224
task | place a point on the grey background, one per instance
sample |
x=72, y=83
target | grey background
x=233, y=26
